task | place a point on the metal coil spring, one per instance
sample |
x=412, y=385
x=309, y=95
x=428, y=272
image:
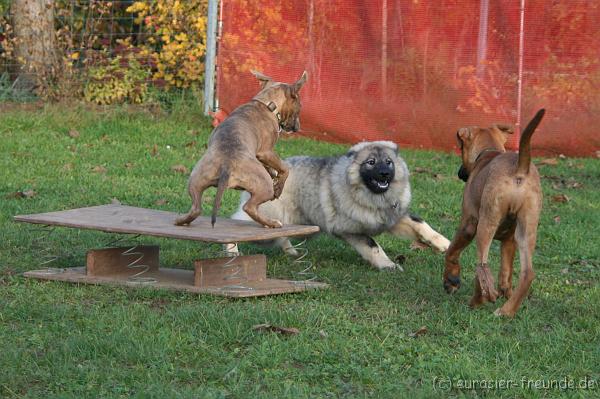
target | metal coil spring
x=307, y=274
x=42, y=234
x=136, y=264
x=236, y=273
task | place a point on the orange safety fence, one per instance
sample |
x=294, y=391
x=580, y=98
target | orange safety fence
x=414, y=71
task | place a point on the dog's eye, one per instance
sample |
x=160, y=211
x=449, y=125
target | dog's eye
x=388, y=162
x=371, y=162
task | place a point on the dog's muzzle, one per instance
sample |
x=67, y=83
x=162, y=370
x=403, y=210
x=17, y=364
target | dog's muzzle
x=379, y=178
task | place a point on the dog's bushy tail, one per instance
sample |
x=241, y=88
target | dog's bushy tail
x=221, y=186
x=525, y=143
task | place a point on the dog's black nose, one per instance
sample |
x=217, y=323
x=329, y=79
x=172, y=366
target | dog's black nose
x=463, y=174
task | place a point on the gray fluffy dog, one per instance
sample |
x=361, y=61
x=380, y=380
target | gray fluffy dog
x=355, y=196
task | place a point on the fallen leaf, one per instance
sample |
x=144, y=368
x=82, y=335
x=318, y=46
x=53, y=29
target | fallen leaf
x=548, y=161
x=68, y=166
x=161, y=201
x=179, y=169
x=22, y=194
x=104, y=138
x=564, y=271
x=438, y=176
x=73, y=133
x=417, y=246
x=560, y=198
x=419, y=169
x=154, y=151
x=422, y=330
x=128, y=165
x=323, y=334
x=276, y=329
x=556, y=219
x=191, y=143
x=99, y=169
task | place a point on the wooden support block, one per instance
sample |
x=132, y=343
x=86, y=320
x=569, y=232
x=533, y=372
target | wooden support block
x=223, y=272
x=124, y=261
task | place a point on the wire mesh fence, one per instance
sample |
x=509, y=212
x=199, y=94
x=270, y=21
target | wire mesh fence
x=415, y=71
x=104, y=51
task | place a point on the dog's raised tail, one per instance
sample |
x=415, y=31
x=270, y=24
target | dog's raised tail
x=525, y=143
x=221, y=186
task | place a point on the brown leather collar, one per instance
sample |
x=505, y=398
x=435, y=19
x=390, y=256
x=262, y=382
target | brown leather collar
x=271, y=106
x=487, y=151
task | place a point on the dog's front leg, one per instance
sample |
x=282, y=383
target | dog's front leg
x=371, y=251
x=462, y=238
x=271, y=160
x=415, y=228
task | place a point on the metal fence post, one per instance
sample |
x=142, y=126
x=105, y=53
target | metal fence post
x=210, y=58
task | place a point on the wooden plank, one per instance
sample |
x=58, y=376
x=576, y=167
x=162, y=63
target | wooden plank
x=230, y=271
x=178, y=280
x=116, y=218
x=127, y=261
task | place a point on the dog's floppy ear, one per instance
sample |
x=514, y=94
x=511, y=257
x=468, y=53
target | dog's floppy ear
x=263, y=79
x=504, y=128
x=298, y=85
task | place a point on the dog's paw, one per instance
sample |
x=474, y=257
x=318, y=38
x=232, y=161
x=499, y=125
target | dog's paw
x=452, y=284
x=501, y=312
x=274, y=224
x=439, y=243
x=291, y=251
x=389, y=266
x=505, y=292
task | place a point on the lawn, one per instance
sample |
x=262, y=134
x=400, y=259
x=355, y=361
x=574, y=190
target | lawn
x=356, y=339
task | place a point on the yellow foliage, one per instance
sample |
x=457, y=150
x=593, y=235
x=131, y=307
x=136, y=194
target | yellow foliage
x=177, y=40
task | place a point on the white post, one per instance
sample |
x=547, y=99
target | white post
x=210, y=57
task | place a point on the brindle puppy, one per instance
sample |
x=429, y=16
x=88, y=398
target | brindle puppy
x=240, y=151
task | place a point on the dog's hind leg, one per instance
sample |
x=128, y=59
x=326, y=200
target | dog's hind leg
x=507, y=258
x=371, y=251
x=196, y=186
x=257, y=182
x=525, y=236
x=485, y=289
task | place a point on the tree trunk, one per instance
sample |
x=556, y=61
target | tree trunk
x=35, y=46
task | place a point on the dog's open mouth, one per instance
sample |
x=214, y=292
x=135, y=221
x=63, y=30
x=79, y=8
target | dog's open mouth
x=381, y=184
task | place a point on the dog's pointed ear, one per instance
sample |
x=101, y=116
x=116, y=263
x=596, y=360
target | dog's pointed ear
x=298, y=85
x=504, y=128
x=463, y=134
x=263, y=79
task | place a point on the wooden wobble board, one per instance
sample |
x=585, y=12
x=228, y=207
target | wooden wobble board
x=138, y=266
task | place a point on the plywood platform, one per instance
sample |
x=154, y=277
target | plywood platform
x=128, y=219
x=242, y=276
x=178, y=280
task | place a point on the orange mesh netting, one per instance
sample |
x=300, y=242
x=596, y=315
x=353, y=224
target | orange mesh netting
x=414, y=71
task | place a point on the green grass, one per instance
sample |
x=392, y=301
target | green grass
x=79, y=341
